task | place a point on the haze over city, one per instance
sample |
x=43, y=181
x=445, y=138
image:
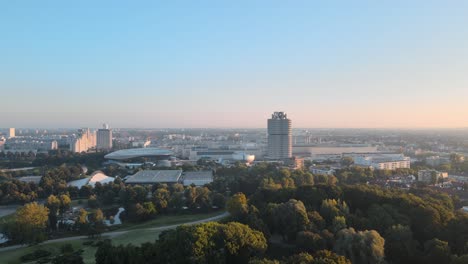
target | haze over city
x=395, y=64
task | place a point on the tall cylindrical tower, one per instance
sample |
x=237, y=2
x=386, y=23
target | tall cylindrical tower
x=279, y=136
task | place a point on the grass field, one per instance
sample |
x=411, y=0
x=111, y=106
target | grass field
x=7, y=218
x=137, y=235
x=170, y=220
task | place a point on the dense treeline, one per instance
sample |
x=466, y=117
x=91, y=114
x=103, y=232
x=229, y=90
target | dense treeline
x=248, y=180
x=206, y=243
x=367, y=224
x=278, y=215
x=304, y=217
x=52, y=158
x=54, y=181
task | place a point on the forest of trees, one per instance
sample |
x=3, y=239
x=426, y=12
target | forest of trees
x=311, y=219
x=277, y=215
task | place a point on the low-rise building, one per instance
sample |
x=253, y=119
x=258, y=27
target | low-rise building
x=435, y=161
x=154, y=176
x=431, y=176
x=198, y=178
x=320, y=170
x=382, y=161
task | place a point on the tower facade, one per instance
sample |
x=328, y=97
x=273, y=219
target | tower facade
x=85, y=141
x=11, y=132
x=104, y=138
x=279, y=136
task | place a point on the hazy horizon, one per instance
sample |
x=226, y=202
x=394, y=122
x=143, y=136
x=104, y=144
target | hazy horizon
x=394, y=65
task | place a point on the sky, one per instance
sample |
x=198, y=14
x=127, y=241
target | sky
x=170, y=64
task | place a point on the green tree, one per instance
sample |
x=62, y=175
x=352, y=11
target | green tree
x=301, y=258
x=65, y=203
x=161, y=198
x=53, y=204
x=237, y=206
x=93, y=202
x=210, y=243
x=436, y=251
x=338, y=223
x=360, y=247
x=82, y=221
x=288, y=218
x=400, y=246
x=347, y=161
x=29, y=224
x=241, y=242
x=328, y=257
x=218, y=200
x=332, y=208
x=96, y=221
x=310, y=241
x=68, y=255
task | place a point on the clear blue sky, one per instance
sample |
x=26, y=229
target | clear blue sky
x=232, y=63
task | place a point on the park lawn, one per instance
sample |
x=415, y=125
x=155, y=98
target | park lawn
x=136, y=235
x=13, y=256
x=164, y=220
x=7, y=218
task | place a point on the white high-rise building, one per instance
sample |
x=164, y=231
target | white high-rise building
x=279, y=136
x=85, y=141
x=11, y=132
x=104, y=138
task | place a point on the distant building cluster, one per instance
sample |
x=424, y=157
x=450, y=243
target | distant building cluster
x=22, y=144
x=431, y=176
x=220, y=155
x=87, y=140
x=381, y=161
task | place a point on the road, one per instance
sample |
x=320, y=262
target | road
x=118, y=233
x=10, y=209
x=18, y=169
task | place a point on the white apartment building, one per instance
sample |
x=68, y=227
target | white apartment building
x=382, y=161
x=85, y=141
x=11, y=133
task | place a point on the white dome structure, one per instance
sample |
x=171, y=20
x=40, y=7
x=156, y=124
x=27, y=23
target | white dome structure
x=97, y=176
x=125, y=154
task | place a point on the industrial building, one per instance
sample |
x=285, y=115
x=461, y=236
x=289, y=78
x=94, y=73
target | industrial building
x=154, y=176
x=148, y=153
x=381, y=161
x=197, y=178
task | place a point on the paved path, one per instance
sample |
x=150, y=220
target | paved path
x=118, y=233
x=10, y=209
x=18, y=169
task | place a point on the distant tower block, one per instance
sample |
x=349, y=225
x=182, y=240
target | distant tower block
x=279, y=136
x=104, y=138
x=11, y=133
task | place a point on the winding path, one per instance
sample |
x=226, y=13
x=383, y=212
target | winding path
x=118, y=233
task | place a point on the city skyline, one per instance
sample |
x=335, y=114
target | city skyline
x=226, y=65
